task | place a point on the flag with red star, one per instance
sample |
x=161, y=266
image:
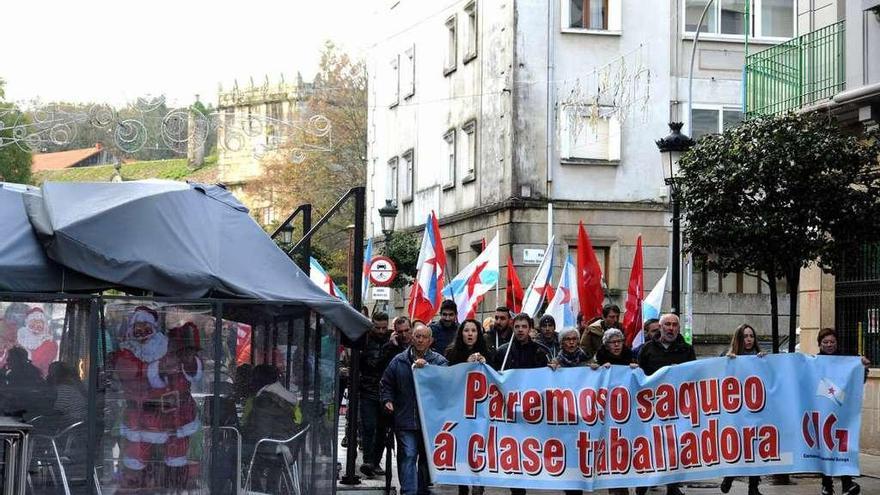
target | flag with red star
x=427, y=289
x=564, y=306
x=476, y=279
x=537, y=291
x=632, y=318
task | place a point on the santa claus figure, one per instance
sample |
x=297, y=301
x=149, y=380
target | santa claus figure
x=36, y=337
x=156, y=372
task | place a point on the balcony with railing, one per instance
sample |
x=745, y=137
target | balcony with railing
x=804, y=71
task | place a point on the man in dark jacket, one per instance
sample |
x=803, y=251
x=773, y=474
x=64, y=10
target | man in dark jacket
x=591, y=340
x=372, y=365
x=501, y=332
x=524, y=352
x=669, y=350
x=444, y=329
x=399, y=398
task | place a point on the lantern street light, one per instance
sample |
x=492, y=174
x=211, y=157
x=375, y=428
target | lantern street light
x=671, y=147
x=388, y=213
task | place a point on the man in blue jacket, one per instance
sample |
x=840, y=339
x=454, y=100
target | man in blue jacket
x=398, y=394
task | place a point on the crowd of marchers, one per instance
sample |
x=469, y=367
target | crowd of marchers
x=388, y=405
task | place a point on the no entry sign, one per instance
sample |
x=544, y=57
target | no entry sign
x=382, y=271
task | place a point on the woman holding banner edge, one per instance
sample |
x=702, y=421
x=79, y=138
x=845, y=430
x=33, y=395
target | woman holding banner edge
x=468, y=346
x=743, y=343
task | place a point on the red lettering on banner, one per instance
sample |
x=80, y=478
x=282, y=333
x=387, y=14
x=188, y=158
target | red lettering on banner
x=755, y=394
x=444, y=447
x=642, y=455
x=671, y=446
x=600, y=451
x=749, y=435
x=619, y=404
x=476, y=451
x=730, y=450
x=492, y=449
x=709, y=396
x=659, y=461
x=688, y=403
x=587, y=406
x=768, y=447
x=805, y=430
x=601, y=403
x=496, y=403
x=645, y=404
x=532, y=408
x=554, y=457
x=665, y=403
x=531, y=449
x=584, y=446
x=709, y=443
x=508, y=455
x=619, y=452
x=475, y=393
x=835, y=438
x=561, y=407
x=512, y=402
x=731, y=400
x=690, y=450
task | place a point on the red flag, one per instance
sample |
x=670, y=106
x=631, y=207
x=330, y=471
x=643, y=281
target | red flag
x=589, y=278
x=515, y=292
x=635, y=294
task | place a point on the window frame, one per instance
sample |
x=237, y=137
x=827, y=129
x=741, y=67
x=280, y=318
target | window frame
x=719, y=109
x=410, y=91
x=409, y=175
x=450, y=143
x=754, y=26
x=393, y=179
x=470, y=129
x=451, y=63
x=612, y=23
x=395, y=70
x=473, y=29
x=613, y=155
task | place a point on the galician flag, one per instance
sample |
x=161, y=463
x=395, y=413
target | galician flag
x=368, y=257
x=541, y=284
x=830, y=390
x=565, y=306
x=651, y=306
x=427, y=289
x=476, y=279
x=320, y=277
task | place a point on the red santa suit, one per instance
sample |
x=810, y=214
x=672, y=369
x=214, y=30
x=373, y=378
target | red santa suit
x=36, y=337
x=160, y=413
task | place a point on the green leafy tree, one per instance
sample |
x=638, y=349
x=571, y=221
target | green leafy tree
x=403, y=249
x=778, y=193
x=15, y=162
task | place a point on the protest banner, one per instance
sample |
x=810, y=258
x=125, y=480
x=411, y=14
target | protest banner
x=577, y=428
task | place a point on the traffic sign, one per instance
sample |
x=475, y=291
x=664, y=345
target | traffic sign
x=383, y=271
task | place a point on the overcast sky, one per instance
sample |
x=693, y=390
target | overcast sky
x=114, y=51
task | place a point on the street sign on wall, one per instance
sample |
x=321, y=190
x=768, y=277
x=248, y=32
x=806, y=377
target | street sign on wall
x=383, y=271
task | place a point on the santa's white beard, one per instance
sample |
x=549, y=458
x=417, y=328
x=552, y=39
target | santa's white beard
x=151, y=350
x=30, y=340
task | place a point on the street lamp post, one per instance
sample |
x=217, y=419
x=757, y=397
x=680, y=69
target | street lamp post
x=671, y=147
x=388, y=214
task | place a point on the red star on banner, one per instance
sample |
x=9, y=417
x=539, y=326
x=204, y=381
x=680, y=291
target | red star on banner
x=474, y=279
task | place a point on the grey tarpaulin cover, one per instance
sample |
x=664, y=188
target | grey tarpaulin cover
x=24, y=267
x=175, y=239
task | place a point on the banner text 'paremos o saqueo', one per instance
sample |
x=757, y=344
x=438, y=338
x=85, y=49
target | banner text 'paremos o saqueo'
x=577, y=428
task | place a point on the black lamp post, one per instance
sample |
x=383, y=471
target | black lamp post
x=671, y=147
x=388, y=214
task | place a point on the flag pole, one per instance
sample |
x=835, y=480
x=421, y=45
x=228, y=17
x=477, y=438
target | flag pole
x=498, y=279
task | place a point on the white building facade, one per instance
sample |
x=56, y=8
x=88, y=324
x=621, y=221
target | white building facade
x=488, y=110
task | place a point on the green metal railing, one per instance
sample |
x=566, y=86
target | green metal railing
x=800, y=72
